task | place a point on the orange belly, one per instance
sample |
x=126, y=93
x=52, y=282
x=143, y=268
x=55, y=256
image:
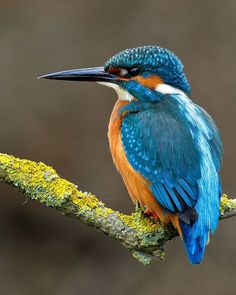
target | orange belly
x=138, y=187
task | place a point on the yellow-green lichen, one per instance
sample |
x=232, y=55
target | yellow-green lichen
x=81, y=199
x=226, y=204
x=35, y=178
x=43, y=181
x=140, y=223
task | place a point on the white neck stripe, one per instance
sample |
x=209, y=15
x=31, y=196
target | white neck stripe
x=167, y=89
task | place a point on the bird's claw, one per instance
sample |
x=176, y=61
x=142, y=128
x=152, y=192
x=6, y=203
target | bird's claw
x=149, y=213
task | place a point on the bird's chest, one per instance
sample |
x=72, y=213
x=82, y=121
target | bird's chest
x=136, y=185
x=114, y=136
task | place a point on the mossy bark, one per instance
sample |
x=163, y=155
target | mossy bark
x=142, y=236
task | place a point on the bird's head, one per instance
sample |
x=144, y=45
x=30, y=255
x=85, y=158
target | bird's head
x=144, y=73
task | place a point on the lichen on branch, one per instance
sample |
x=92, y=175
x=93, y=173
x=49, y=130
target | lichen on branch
x=142, y=236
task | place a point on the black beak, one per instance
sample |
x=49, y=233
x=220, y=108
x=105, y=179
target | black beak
x=97, y=74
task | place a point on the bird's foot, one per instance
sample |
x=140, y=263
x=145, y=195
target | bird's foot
x=148, y=212
x=141, y=212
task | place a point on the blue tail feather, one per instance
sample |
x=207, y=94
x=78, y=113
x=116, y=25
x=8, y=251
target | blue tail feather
x=195, y=246
x=196, y=234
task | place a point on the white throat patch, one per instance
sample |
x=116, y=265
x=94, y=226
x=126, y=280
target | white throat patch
x=122, y=93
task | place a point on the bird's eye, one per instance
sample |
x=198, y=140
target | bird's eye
x=134, y=72
x=129, y=72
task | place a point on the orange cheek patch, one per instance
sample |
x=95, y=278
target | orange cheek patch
x=150, y=82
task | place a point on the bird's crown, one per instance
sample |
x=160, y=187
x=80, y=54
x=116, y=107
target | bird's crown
x=150, y=60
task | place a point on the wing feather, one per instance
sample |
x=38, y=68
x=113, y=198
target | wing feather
x=161, y=148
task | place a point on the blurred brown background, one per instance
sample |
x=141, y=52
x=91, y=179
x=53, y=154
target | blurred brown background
x=65, y=125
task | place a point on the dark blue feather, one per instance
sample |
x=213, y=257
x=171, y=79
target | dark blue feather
x=190, y=190
x=163, y=196
x=184, y=195
x=174, y=198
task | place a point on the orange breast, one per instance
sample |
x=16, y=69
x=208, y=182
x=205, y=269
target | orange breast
x=138, y=187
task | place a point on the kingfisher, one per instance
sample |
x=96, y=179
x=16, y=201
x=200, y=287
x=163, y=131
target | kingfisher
x=167, y=149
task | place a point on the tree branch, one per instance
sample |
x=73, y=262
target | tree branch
x=142, y=236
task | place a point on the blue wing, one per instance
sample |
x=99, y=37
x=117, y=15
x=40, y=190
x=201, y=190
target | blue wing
x=159, y=145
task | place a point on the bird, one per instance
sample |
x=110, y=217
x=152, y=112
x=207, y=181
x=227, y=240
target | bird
x=167, y=148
